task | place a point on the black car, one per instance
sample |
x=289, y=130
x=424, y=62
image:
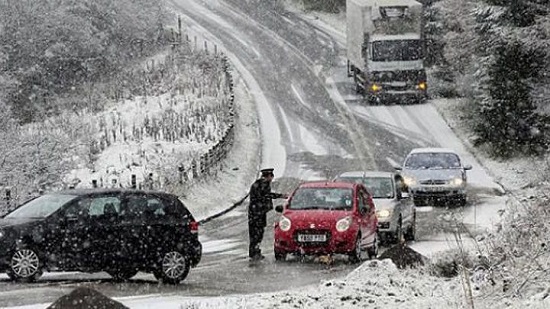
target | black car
x=114, y=230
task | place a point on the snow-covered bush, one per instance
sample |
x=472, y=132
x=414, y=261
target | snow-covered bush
x=449, y=263
x=517, y=254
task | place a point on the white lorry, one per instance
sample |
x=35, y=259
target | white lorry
x=385, y=50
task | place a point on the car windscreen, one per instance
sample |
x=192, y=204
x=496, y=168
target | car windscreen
x=322, y=198
x=432, y=160
x=379, y=187
x=41, y=207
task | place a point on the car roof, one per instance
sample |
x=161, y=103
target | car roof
x=81, y=192
x=327, y=184
x=432, y=150
x=367, y=174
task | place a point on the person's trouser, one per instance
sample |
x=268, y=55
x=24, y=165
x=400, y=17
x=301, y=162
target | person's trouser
x=256, y=234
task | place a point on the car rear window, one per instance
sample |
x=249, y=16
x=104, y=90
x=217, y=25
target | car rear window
x=378, y=187
x=41, y=207
x=322, y=198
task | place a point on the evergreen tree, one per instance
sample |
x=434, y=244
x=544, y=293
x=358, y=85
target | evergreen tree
x=507, y=117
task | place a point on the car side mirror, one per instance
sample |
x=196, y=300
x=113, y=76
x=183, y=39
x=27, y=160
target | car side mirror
x=279, y=208
x=467, y=167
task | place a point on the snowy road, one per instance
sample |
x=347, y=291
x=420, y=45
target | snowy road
x=313, y=127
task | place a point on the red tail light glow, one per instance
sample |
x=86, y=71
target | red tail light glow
x=194, y=227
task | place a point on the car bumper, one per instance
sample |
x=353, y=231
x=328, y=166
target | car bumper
x=195, y=254
x=438, y=192
x=337, y=243
x=386, y=225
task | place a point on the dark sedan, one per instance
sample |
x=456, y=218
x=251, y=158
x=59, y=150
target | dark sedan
x=114, y=230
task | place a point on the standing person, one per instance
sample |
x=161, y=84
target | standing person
x=260, y=204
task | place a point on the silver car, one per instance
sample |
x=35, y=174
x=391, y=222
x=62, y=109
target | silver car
x=395, y=211
x=435, y=174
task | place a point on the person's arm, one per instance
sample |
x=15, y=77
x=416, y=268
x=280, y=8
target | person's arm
x=274, y=195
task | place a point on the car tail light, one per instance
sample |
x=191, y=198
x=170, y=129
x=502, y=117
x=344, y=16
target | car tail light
x=194, y=227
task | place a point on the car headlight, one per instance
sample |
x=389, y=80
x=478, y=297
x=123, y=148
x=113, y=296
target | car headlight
x=343, y=224
x=383, y=213
x=457, y=182
x=409, y=181
x=284, y=224
x=2, y=234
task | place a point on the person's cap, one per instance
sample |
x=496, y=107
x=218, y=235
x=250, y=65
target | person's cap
x=267, y=171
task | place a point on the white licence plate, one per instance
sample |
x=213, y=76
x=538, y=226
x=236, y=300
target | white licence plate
x=312, y=237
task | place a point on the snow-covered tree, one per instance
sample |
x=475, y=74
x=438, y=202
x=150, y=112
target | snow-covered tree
x=511, y=60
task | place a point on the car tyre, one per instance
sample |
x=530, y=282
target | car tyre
x=385, y=239
x=417, y=201
x=123, y=274
x=462, y=201
x=398, y=236
x=280, y=256
x=411, y=232
x=372, y=251
x=25, y=265
x=173, y=267
x=355, y=255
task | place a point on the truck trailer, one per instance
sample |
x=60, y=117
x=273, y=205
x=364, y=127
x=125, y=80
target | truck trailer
x=385, y=50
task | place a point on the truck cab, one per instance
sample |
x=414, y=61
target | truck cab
x=385, y=48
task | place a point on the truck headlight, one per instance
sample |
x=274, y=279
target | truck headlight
x=375, y=87
x=422, y=86
x=343, y=224
x=284, y=224
x=384, y=213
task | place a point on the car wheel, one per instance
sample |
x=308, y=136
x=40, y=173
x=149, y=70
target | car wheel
x=411, y=233
x=174, y=267
x=398, y=236
x=384, y=239
x=355, y=255
x=25, y=265
x=417, y=201
x=280, y=256
x=122, y=274
x=372, y=251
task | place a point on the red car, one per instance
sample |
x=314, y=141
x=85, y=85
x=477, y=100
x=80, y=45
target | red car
x=325, y=218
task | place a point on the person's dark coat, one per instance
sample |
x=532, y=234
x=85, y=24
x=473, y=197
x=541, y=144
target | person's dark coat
x=261, y=201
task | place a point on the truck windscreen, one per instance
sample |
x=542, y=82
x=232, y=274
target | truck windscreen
x=402, y=50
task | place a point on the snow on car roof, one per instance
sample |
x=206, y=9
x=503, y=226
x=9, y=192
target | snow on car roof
x=432, y=150
x=86, y=191
x=366, y=174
